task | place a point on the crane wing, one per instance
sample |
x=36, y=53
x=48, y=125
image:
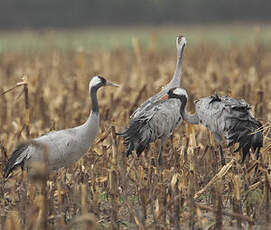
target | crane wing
x=63, y=148
x=158, y=120
x=230, y=118
x=148, y=104
x=166, y=118
x=241, y=127
x=17, y=158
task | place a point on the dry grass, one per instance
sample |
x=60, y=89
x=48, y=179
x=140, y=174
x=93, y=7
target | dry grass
x=105, y=190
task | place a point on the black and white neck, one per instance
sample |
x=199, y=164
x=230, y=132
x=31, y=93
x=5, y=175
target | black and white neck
x=95, y=83
x=181, y=94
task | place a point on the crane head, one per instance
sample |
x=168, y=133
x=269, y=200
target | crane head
x=180, y=41
x=99, y=81
x=178, y=93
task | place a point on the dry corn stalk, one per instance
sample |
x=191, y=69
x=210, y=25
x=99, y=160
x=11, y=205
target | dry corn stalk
x=88, y=220
x=138, y=55
x=59, y=199
x=114, y=146
x=137, y=99
x=12, y=221
x=27, y=112
x=218, y=213
x=52, y=77
x=84, y=199
x=219, y=175
x=226, y=213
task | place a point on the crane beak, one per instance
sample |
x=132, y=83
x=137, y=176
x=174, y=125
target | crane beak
x=165, y=97
x=108, y=83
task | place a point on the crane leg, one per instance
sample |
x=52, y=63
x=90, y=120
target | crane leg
x=257, y=158
x=162, y=143
x=221, y=155
x=160, y=155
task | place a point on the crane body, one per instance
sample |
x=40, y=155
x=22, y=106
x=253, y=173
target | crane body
x=64, y=147
x=158, y=122
x=155, y=119
x=227, y=118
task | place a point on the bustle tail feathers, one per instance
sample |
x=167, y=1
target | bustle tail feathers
x=15, y=160
x=247, y=132
x=136, y=136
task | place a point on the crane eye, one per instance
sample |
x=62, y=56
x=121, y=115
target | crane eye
x=102, y=80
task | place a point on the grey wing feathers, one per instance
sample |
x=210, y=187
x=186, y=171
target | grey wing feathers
x=138, y=123
x=17, y=159
x=132, y=136
x=157, y=121
x=137, y=128
x=240, y=126
x=146, y=105
x=149, y=103
x=167, y=117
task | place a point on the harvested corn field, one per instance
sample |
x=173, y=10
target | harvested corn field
x=107, y=190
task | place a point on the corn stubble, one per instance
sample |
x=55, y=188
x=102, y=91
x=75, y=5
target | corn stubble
x=106, y=190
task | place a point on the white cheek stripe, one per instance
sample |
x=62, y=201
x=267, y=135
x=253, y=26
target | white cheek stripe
x=180, y=91
x=183, y=41
x=94, y=81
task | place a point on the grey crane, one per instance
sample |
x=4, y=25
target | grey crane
x=155, y=119
x=158, y=122
x=175, y=81
x=64, y=147
x=227, y=118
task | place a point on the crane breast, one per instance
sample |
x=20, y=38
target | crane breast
x=166, y=118
x=210, y=114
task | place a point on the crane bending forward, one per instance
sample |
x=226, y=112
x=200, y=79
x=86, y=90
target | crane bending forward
x=63, y=147
x=227, y=118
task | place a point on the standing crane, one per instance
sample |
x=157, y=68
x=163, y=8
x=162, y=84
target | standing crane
x=229, y=118
x=64, y=147
x=175, y=81
x=158, y=122
x=155, y=119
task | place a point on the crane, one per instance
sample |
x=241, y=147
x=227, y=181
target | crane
x=227, y=118
x=155, y=119
x=63, y=147
x=158, y=122
x=175, y=81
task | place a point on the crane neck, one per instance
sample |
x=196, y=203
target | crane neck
x=94, y=100
x=190, y=118
x=88, y=131
x=176, y=80
x=93, y=114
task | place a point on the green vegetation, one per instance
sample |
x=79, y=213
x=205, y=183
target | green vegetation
x=120, y=37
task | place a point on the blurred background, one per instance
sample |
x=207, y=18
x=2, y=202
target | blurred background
x=223, y=22
x=80, y=13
